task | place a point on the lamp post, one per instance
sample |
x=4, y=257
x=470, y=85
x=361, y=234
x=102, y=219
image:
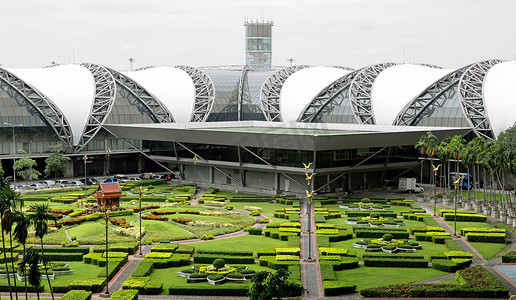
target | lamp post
x=435, y=183
x=85, y=158
x=108, y=166
x=456, y=182
x=309, y=196
x=106, y=225
x=14, y=152
x=195, y=174
x=140, y=211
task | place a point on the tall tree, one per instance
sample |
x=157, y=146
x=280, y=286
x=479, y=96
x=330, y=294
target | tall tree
x=39, y=219
x=1, y=169
x=30, y=263
x=21, y=230
x=25, y=168
x=444, y=156
x=56, y=162
x=4, y=209
x=11, y=205
x=267, y=285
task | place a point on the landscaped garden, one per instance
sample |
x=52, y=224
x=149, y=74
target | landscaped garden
x=364, y=244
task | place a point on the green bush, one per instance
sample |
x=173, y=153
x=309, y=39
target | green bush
x=143, y=269
x=486, y=237
x=208, y=259
x=395, y=263
x=77, y=295
x=271, y=262
x=509, y=257
x=327, y=272
x=94, y=284
x=219, y=263
x=255, y=231
x=393, y=256
x=444, y=265
x=170, y=248
x=225, y=252
x=221, y=290
x=266, y=252
x=125, y=295
x=378, y=234
x=465, y=217
x=82, y=250
x=144, y=285
x=64, y=256
x=335, y=288
x=366, y=213
x=467, y=230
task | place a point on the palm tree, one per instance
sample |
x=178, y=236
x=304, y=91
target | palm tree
x=4, y=209
x=13, y=202
x=20, y=234
x=39, y=220
x=469, y=154
x=31, y=260
x=444, y=156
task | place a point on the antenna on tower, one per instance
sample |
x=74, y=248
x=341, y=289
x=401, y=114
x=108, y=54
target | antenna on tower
x=131, y=60
x=73, y=55
x=291, y=60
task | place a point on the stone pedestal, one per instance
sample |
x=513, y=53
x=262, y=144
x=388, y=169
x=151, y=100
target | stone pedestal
x=495, y=214
x=468, y=206
x=510, y=220
x=503, y=217
x=447, y=202
x=486, y=211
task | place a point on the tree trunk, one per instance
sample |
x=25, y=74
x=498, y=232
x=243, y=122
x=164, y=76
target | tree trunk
x=5, y=261
x=25, y=274
x=12, y=260
x=45, y=266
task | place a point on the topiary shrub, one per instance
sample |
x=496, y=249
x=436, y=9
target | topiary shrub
x=236, y=275
x=374, y=215
x=219, y=263
x=215, y=277
x=365, y=200
x=387, y=237
x=254, y=213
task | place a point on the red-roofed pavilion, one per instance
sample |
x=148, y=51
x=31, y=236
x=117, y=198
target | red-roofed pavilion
x=108, y=194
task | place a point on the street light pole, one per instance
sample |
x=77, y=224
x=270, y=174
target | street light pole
x=14, y=152
x=85, y=182
x=107, y=249
x=309, y=196
x=140, y=211
x=195, y=175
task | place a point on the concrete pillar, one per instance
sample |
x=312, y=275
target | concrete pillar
x=349, y=181
x=212, y=174
x=276, y=181
x=69, y=169
x=141, y=163
x=510, y=220
x=503, y=216
x=495, y=214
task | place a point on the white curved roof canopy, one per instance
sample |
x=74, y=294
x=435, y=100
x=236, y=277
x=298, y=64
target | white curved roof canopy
x=70, y=87
x=172, y=86
x=500, y=96
x=396, y=86
x=302, y=86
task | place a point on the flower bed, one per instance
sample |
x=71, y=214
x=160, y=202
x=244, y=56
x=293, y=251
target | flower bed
x=153, y=217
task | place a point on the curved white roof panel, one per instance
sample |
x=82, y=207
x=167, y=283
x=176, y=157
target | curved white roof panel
x=302, y=86
x=70, y=87
x=396, y=86
x=500, y=96
x=172, y=86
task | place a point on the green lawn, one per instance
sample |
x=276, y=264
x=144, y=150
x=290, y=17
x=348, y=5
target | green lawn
x=366, y=277
x=81, y=270
x=88, y=229
x=246, y=242
x=488, y=250
x=169, y=278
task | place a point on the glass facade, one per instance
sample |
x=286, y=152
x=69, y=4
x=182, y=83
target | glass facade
x=225, y=105
x=127, y=109
x=251, y=103
x=34, y=136
x=337, y=111
x=445, y=111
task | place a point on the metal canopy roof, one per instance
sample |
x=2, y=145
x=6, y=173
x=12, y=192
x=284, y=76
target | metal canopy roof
x=293, y=136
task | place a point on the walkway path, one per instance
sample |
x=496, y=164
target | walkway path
x=310, y=269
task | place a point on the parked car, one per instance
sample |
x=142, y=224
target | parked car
x=38, y=186
x=133, y=179
x=90, y=181
x=121, y=177
x=146, y=176
x=110, y=180
x=48, y=183
x=63, y=183
x=77, y=183
x=159, y=176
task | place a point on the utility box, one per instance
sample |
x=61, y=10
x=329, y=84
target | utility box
x=409, y=185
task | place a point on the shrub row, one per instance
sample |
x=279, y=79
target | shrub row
x=143, y=269
x=441, y=212
x=465, y=231
x=335, y=288
x=226, y=252
x=386, y=229
x=82, y=250
x=221, y=290
x=124, y=295
x=208, y=259
x=176, y=260
x=405, y=256
x=486, y=237
x=271, y=262
x=143, y=285
x=465, y=217
x=366, y=213
x=94, y=284
x=344, y=263
x=395, y=263
x=77, y=295
x=378, y=234
x=64, y=256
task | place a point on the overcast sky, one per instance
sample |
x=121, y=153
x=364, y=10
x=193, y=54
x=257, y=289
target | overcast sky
x=353, y=33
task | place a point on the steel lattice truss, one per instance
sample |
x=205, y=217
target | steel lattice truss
x=472, y=97
x=43, y=105
x=105, y=94
x=433, y=96
x=430, y=66
x=360, y=92
x=331, y=96
x=243, y=92
x=155, y=107
x=204, y=93
x=271, y=89
x=343, y=68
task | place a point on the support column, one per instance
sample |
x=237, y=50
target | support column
x=349, y=181
x=212, y=175
x=277, y=181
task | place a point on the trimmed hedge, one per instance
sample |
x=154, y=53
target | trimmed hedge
x=509, y=257
x=77, y=295
x=255, y=231
x=465, y=231
x=82, y=250
x=393, y=256
x=226, y=252
x=366, y=213
x=486, y=237
x=124, y=295
x=208, y=259
x=465, y=217
x=335, y=288
x=444, y=265
x=220, y=290
x=143, y=269
x=327, y=272
x=395, y=263
x=378, y=234
x=386, y=229
x=64, y=256
x=271, y=262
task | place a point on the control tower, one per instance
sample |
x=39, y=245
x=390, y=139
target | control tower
x=258, y=44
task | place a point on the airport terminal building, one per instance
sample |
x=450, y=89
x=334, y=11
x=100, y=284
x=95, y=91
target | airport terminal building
x=251, y=125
